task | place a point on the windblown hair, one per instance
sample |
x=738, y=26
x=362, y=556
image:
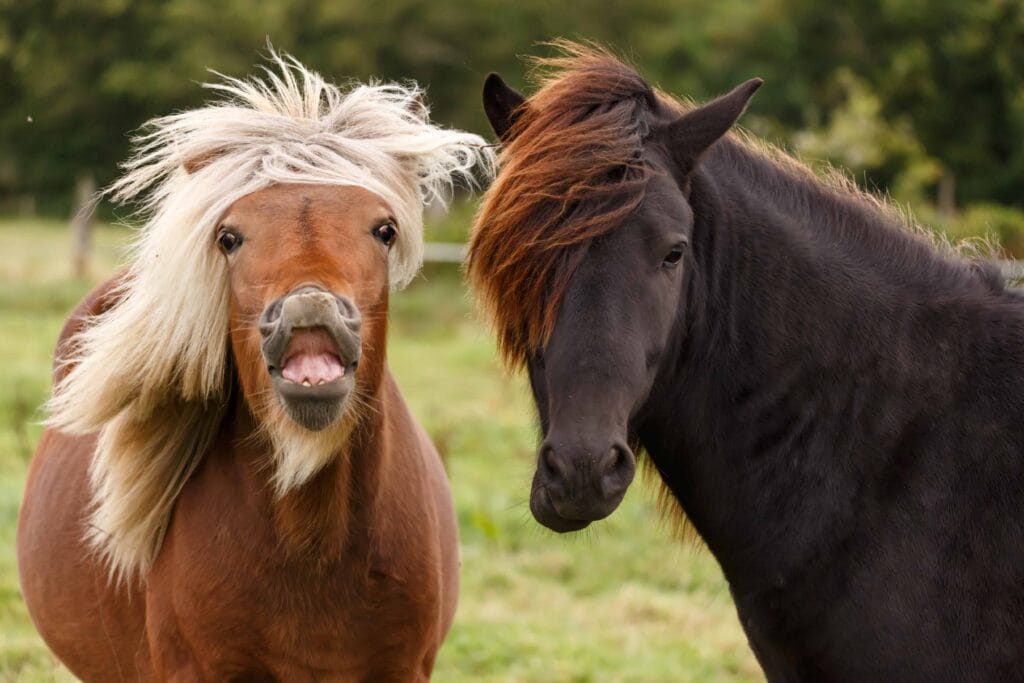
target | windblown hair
x=572, y=171
x=151, y=374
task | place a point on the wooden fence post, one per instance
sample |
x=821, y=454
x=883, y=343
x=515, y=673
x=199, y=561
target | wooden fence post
x=81, y=223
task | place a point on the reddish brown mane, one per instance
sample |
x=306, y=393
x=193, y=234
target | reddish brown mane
x=570, y=173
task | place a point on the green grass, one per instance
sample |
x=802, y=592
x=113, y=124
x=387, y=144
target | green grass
x=622, y=601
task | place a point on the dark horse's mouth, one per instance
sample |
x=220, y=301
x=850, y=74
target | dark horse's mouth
x=311, y=346
x=544, y=512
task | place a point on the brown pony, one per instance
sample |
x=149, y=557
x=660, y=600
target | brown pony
x=231, y=486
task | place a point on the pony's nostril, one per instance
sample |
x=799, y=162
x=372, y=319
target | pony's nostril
x=348, y=311
x=269, y=318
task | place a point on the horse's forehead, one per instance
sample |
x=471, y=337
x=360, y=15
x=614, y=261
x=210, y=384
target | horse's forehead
x=663, y=188
x=309, y=202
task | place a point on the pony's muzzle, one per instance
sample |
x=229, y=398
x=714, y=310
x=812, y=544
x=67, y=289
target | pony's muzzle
x=311, y=345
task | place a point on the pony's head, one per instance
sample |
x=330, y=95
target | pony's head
x=307, y=274
x=580, y=255
x=277, y=219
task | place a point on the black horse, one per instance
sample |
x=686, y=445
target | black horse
x=834, y=401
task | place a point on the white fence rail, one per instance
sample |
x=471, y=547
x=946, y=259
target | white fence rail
x=444, y=252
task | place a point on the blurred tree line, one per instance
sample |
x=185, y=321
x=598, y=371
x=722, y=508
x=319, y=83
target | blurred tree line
x=922, y=98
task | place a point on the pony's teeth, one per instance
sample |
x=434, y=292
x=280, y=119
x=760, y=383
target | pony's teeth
x=322, y=381
x=306, y=383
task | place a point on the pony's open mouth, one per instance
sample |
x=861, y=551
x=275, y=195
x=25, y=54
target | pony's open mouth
x=311, y=347
x=312, y=369
x=312, y=379
x=311, y=359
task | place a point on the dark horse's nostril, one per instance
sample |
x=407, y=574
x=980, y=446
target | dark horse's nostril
x=618, y=469
x=548, y=467
x=620, y=461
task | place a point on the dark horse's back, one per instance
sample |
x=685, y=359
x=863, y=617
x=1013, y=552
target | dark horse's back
x=925, y=580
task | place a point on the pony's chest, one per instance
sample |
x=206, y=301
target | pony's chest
x=299, y=621
x=239, y=602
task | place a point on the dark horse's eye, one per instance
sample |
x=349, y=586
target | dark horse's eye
x=229, y=240
x=386, y=233
x=674, y=256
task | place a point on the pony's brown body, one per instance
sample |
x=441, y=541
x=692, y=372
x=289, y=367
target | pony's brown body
x=351, y=577
x=231, y=486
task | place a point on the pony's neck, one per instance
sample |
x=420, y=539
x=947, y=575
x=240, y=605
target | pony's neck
x=330, y=512
x=803, y=318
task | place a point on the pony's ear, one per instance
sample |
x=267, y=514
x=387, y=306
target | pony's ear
x=197, y=162
x=502, y=104
x=694, y=132
x=418, y=107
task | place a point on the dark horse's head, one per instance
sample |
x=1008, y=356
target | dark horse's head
x=581, y=253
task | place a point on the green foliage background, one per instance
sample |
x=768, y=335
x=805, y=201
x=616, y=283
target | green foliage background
x=929, y=88
x=908, y=95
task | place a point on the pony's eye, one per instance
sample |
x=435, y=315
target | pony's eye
x=674, y=256
x=229, y=240
x=386, y=233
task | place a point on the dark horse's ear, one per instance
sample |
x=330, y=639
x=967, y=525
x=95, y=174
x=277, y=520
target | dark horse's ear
x=691, y=134
x=502, y=105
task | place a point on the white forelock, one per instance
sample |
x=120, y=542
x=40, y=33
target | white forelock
x=160, y=353
x=294, y=127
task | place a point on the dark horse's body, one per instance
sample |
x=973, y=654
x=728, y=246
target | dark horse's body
x=836, y=404
x=849, y=440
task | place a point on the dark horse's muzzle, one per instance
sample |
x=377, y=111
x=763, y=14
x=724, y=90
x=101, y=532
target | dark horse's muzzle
x=579, y=483
x=311, y=347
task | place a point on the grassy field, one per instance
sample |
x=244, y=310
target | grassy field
x=623, y=601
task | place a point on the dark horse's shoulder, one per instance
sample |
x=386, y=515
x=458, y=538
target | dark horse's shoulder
x=96, y=302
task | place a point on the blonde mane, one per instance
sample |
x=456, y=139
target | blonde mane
x=151, y=374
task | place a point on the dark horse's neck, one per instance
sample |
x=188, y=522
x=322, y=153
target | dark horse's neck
x=822, y=343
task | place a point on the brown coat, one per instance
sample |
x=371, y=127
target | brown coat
x=351, y=577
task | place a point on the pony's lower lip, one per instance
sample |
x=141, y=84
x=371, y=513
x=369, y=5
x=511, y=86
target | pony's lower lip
x=314, y=406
